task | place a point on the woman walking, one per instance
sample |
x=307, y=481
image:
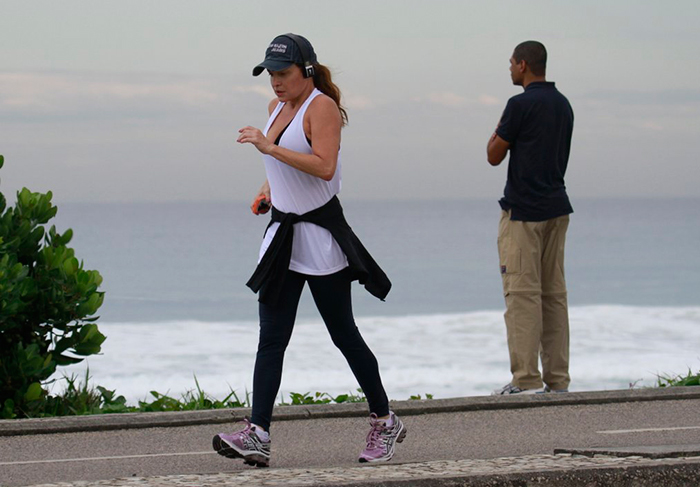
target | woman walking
x=308, y=241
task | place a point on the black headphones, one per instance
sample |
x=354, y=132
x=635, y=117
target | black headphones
x=306, y=56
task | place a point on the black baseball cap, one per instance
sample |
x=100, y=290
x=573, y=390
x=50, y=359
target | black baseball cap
x=285, y=50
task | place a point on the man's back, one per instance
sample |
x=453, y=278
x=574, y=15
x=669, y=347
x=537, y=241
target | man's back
x=538, y=124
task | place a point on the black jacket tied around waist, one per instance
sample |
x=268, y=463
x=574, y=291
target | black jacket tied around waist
x=269, y=275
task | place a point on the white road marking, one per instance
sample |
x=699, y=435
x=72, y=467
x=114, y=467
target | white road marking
x=91, y=459
x=644, y=430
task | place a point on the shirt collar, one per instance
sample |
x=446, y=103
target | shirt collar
x=540, y=84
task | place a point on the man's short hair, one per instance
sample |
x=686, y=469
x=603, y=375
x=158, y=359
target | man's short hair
x=534, y=54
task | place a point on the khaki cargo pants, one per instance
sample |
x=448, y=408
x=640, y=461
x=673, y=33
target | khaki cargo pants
x=537, y=320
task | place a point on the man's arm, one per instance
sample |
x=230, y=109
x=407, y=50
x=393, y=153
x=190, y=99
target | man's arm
x=496, y=150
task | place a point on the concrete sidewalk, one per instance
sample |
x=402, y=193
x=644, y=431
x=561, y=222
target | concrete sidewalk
x=660, y=465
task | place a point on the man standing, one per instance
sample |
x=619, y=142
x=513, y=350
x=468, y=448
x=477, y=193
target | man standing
x=536, y=128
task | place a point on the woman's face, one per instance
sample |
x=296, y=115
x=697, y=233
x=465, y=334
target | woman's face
x=289, y=83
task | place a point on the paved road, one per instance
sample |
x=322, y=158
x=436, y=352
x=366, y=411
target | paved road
x=26, y=460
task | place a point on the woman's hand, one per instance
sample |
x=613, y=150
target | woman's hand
x=322, y=124
x=262, y=201
x=251, y=135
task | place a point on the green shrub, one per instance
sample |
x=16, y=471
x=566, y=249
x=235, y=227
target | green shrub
x=691, y=379
x=298, y=399
x=47, y=303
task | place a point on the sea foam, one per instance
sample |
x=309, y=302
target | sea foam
x=448, y=355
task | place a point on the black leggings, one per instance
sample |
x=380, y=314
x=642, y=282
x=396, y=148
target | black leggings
x=332, y=297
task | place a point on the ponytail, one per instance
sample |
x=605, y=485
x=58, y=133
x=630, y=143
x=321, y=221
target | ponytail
x=323, y=82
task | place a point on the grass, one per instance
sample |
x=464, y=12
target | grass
x=81, y=398
x=690, y=379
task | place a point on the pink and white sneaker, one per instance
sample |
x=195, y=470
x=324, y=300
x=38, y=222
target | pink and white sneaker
x=382, y=438
x=245, y=444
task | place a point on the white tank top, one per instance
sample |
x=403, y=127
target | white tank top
x=314, y=251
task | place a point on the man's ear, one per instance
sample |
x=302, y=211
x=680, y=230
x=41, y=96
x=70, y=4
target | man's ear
x=522, y=66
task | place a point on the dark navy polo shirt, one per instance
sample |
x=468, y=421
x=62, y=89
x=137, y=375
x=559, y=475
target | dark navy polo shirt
x=538, y=124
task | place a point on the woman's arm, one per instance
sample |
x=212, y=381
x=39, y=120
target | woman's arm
x=323, y=128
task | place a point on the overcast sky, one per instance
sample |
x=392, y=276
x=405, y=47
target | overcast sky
x=141, y=100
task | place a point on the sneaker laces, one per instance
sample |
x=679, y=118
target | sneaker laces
x=249, y=436
x=374, y=437
x=248, y=425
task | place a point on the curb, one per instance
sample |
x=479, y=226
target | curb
x=663, y=474
x=647, y=451
x=532, y=470
x=106, y=422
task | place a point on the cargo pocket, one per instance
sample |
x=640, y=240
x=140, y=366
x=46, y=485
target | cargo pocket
x=510, y=262
x=510, y=268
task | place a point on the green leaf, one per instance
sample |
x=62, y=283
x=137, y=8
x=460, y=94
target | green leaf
x=87, y=349
x=64, y=360
x=47, y=360
x=90, y=335
x=90, y=306
x=70, y=266
x=33, y=392
x=66, y=237
x=37, y=234
x=8, y=409
x=341, y=398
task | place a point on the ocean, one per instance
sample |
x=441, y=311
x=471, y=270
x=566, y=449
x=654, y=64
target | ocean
x=176, y=305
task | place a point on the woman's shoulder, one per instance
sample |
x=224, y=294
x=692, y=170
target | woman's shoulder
x=321, y=99
x=322, y=103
